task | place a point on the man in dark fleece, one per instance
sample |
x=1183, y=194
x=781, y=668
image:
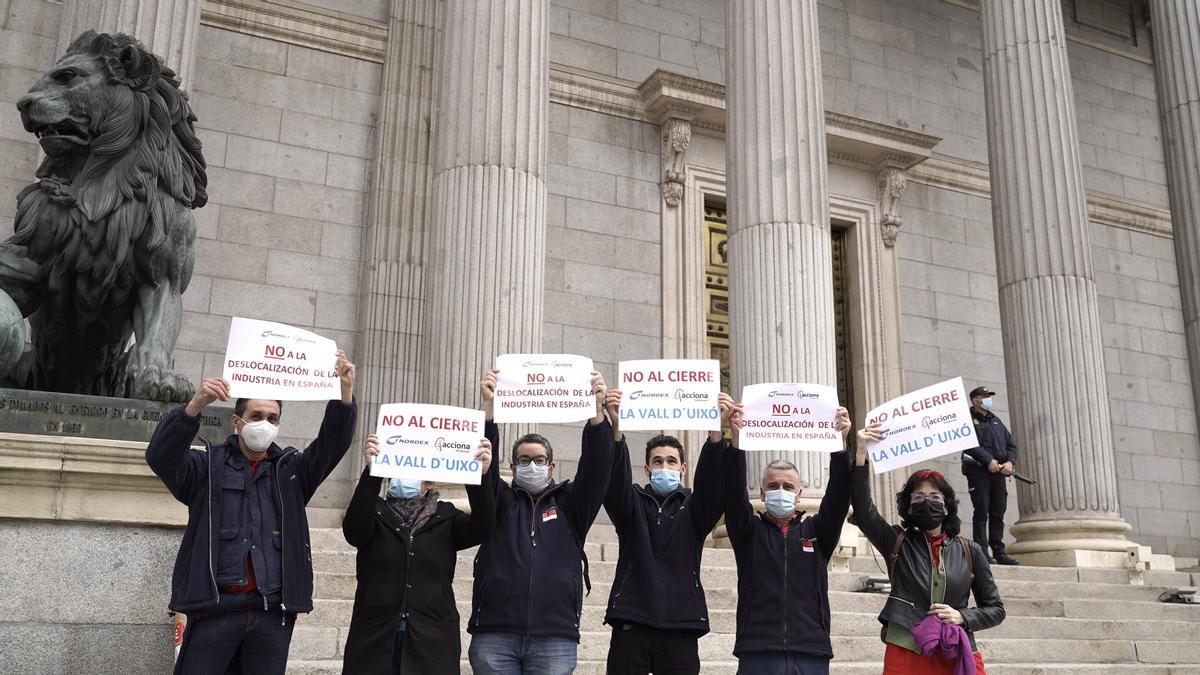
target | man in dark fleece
x=530, y=573
x=244, y=568
x=782, y=561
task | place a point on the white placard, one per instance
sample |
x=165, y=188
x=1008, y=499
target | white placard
x=429, y=442
x=785, y=416
x=264, y=359
x=544, y=388
x=677, y=394
x=921, y=425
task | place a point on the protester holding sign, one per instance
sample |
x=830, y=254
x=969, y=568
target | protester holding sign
x=656, y=606
x=933, y=571
x=987, y=468
x=244, y=568
x=528, y=592
x=405, y=620
x=782, y=559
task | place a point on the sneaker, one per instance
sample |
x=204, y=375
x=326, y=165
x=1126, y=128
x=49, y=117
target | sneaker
x=1003, y=559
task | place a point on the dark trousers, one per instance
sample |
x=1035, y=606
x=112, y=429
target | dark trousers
x=989, y=497
x=246, y=642
x=782, y=663
x=641, y=650
x=397, y=662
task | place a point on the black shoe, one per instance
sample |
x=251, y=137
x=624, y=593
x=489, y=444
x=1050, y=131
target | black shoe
x=1003, y=559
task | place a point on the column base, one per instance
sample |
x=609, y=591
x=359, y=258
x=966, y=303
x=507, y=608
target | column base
x=1074, y=543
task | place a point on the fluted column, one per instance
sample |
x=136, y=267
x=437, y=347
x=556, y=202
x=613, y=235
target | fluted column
x=484, y=272
x=168, y=28
x=780, y=261
x=1176, y=31
x=390, y=319
x=1048, y=309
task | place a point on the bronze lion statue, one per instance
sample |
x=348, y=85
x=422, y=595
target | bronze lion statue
x=103, y=249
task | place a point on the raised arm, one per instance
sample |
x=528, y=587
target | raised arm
x=989, y=610
x=708, y=487
x=336, y=433
x=170, y=453
x=619, y=498
x=831, y=515
x=877, y=530
x=739, y=515
x=358, y=525
x=472, y=529
x=590, y=486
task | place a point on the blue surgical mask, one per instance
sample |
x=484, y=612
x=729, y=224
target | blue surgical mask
x=780, y=503
x=986, y=403
x=664, y=481
x=404, y=489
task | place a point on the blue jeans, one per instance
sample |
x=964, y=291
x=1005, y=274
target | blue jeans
x=250, y=642
x=782, y=663
x=506, y=654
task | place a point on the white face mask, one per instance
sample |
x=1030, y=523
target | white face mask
x=258, y=436
x=531, y=477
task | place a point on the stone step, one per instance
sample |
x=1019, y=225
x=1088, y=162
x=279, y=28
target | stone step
x=729, y=667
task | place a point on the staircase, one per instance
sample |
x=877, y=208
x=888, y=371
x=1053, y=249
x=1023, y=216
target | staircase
x=1060, y=620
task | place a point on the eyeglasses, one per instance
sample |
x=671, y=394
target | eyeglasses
x=526, y=461
x=935, y=497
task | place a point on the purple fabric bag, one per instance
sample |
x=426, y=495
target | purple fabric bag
x=948, y=641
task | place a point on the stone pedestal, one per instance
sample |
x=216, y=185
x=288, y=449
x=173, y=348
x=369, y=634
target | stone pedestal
x=1176, y=32
x=168, y=28
x=781, y=276
x=484, y=281
x=1048, y=308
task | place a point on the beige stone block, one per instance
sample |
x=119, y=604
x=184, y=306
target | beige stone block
x=260, y=301
x=296, y=270
x=280, y=160
x=322, y=133
x=264, y=89
x=239, y=188
x=204, y=332
x=233, y=116
x=28, y=50
x=339, y=311
x=570, y=181
x=343, y=242
x=347, y=172
x=271, y=230
x=240, y=49
x=231, y=261
x=333, y=69
x=306, y=200
x=584, y=55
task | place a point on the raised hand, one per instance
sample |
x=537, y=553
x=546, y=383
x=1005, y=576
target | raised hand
x=484, y=454
x=725, y=405
x=735, y=424
x=612, y=405
x=487, y=392
x=370, y=449
x=211, y=389
x=843, y=423
x=871, y=434
x=345, y=371
x=600, y=390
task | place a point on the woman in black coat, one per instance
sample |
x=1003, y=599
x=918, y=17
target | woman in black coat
x=405, y=620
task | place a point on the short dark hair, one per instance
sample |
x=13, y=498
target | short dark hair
x=662, y=440
x=239, y=406
x=533, y=438
x=951, y=525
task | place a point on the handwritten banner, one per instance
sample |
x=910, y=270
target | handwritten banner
x=922, y=425
x=784, y=416
x=429, y=442
x=544, y=388
x=670, y=394
x=264, y=359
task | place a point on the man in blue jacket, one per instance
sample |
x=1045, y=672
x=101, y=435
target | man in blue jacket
x=782, y=561
x=530, y=574
x=244, y=567
x=987, y=469
x=656, y=606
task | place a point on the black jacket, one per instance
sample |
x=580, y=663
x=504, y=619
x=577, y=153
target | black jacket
x=994, y=443
x=909, y=600
x=529, y=573
x=783, y=585
x=657, y=582
x=214, y=485
x=403, y=574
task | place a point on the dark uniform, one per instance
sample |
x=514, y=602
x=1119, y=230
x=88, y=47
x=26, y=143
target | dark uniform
x=989, y=491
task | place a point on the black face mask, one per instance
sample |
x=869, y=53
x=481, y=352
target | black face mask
x=927, y=515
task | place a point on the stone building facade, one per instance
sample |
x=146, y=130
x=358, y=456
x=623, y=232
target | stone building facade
x=888, y=194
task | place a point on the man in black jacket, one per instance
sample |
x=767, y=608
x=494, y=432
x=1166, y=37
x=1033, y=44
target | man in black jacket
x=987, y=469
x=656, y=606
x=244, y=568
x=530, y=574
x=782, y=561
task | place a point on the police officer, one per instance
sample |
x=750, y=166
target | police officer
x=987, y=467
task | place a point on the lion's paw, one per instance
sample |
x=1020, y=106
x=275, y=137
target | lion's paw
x=158, y=384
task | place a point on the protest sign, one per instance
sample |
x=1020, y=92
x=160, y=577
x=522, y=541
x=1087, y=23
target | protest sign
x=429, y=442
x=785, y=416
x=670, y=394
x=921, y=425
x=544, y=388
x=264, y=359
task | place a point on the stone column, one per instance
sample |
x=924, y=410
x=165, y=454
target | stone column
x=780, y=264
x=1048, y=309
x=484, y=272
x=168, y=28
x=1176, y=31
x=390, y=318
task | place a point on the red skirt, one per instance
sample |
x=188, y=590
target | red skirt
x=900, y=661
